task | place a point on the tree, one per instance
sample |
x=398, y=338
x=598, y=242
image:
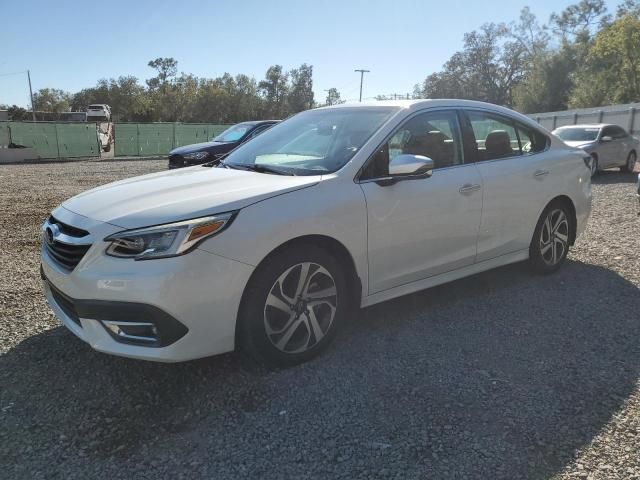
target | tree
x=300, y=95
x=52, y=100
x=333, y=97
x=579, y=20
x=489, y=67
x=167, y=68
x=612, y=70
x=274, y=89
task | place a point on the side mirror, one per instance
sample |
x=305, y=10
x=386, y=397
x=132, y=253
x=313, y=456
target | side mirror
x=408, y=167
x=606, y=138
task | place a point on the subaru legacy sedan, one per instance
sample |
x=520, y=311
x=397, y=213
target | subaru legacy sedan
x=273, y=248
x=608, y=145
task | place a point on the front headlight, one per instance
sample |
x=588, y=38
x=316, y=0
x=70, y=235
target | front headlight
x=196, y=156
x=167, y=240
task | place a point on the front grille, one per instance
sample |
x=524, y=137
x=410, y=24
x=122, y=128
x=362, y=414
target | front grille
x=68, y=229
x=66, y=254
x=65, y=304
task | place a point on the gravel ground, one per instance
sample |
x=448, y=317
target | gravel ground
x=501, y=375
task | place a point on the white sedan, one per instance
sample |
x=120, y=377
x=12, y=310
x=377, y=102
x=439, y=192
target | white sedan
x=271, y=249
x=608, y=145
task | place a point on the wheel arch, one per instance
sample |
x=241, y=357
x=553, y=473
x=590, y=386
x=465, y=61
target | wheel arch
x=329, y=244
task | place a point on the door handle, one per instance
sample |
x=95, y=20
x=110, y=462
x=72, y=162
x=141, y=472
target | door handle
x=469, y=188
x=541, y=173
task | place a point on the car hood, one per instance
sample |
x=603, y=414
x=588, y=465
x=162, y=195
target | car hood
x=580, y=144
x=181, y=194
x=199, y=147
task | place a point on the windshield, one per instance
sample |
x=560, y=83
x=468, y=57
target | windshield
x=578, y=134
x=232, y=134
x=313, y=142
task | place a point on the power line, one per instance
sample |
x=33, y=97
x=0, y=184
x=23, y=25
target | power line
x=13, y=73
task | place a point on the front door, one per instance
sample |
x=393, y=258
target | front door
x=423, y=227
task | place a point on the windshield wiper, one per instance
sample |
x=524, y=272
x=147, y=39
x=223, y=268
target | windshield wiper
x=261, y=168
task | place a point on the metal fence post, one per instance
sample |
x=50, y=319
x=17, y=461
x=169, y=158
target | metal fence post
x=137, y=139
x=57, y=140
x=632, y=115
x=600, y=115
x=555, y=121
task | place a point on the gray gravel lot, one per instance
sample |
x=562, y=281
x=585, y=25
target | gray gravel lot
x=501, y=375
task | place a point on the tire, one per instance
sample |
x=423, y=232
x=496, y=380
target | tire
x=594, y=165
x=280, y=328
x=550, y=243
x=631, y=163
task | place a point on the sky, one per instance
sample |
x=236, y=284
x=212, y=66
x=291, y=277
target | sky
x=71, y=44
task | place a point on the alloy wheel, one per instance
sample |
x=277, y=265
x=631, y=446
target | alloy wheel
x=300, y=307
x=554, y=237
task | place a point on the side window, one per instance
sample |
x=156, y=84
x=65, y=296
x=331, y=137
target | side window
x=531, y=140
x=618, y=132
x=257, y=132
x=495, y=136
x=435, y=135
x=607, y=132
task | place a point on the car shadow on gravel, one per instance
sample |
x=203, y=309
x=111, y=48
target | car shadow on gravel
x=500, y=375
x=610, y=177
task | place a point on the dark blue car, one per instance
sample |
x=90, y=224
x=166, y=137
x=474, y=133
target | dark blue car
x=225, y=142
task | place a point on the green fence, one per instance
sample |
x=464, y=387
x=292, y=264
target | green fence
x=53, y=139
x=5, y=136
x=147, y=139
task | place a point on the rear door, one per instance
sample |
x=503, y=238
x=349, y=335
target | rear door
x=609, y=153
x=517, y=177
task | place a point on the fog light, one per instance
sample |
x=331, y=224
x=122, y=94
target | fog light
x=132, y=332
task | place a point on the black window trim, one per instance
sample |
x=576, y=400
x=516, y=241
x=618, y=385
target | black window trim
x=456, y=111
x=514, y=124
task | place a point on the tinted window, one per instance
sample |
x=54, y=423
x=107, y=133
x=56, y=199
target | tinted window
x=435, y=135
x=618, y=132
x=531, y=140
x=495, y=136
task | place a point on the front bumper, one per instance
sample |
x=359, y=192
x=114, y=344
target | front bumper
x=193, y=299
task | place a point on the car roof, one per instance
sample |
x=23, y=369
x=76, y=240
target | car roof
x=444, y=102
x=258, y=122
x=589, y=125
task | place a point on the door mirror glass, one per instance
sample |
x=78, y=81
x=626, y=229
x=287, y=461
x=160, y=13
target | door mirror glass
x=606, y=138
x=405, y=165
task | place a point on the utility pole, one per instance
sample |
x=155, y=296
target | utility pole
x=362, y=72
x=33, y=108
x=329, y=96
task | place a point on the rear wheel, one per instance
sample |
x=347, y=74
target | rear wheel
x=293, y=306
x=631, y=163
x=550, y=244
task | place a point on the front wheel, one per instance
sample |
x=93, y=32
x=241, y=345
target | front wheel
x=550, y=244
x=631, y=163
x=293, y=306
